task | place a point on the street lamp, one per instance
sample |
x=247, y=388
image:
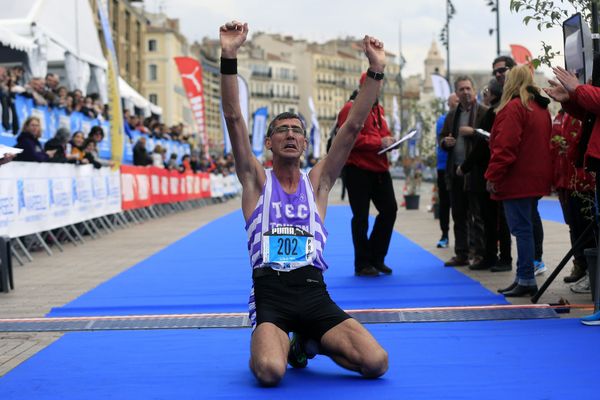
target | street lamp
x=495, y=7
x=445, y=34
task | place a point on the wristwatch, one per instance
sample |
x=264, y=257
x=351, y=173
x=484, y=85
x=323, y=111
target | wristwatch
x=375, y=75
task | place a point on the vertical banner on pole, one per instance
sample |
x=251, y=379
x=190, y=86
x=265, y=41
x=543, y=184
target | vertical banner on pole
x=396, y=127
x=259, y=126
x=116, y=117
x=191, y=76
x=243, y=98
x=315, y=130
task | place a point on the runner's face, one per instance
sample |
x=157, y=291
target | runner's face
x=287, y=138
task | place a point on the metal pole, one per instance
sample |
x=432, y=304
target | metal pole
x=448, y=40
x=497, y=27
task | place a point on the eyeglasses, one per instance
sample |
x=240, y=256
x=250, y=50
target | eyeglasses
x=500, y=70
x=285, y=128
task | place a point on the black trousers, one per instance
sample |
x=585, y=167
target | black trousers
x=444, y=202
x=459, y=203
x=488, y=210
x=363, y=187
x=578, y=210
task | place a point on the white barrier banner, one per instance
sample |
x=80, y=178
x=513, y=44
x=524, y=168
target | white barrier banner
x=36, y=197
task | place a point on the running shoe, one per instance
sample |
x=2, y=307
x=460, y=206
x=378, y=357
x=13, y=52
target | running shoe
x=443, y=243
x=591, y=320
x=582, y=286
x=297, y=356
x=539, y=267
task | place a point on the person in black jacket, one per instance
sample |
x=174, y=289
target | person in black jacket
x=28, y=140
x=59, y=144
x=140, y=154
x=474, y=168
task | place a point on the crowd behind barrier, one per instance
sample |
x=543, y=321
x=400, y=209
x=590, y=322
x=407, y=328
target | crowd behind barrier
x=53, y=118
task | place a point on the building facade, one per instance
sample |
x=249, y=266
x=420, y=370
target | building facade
x=163, y=85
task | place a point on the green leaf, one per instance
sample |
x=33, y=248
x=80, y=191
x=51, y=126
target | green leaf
x=536, y=63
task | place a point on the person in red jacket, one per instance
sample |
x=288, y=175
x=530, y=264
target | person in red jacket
x=520, y=168
x=368, y=179
x=575, y=189
x=579, y=100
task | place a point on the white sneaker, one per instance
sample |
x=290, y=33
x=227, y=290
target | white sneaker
x=539, y=267
x=582, y=286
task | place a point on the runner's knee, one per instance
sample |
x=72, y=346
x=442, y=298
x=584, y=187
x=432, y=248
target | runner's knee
x=268, y=371
x=374, y=364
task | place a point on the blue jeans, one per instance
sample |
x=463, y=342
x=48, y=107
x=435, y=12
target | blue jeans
x=519, y=218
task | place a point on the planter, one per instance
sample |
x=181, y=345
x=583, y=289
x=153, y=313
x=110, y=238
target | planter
x=412, y=201
x=591, y=256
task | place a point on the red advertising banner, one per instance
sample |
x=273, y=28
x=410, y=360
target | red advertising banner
x=145, y=186
x=191, y=76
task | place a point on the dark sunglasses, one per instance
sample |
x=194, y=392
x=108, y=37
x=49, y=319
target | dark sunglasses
x=500, y=70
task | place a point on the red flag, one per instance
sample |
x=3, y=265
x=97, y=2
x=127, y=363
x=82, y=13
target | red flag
x=191, y=76
x=520, y=54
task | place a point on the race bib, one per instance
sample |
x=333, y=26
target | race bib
x=287, y=247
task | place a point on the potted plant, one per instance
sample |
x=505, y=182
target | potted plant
x=414, y=173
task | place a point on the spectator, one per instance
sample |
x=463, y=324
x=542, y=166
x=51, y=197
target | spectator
x=97, y=135
x=575, y=188
x=59, y=144
x=456, y=137
x=520, y=167
x=195, y=162
x=76, y=147
x=35, y=89
x=28, y=140
x=9, y=113
x=140, y=154
x=88, y=108
x=475, y=165
x=443, y=193
x=368, y=180
x=158, y=156
x=15, y=80
x=171, y=164
x=91, y=154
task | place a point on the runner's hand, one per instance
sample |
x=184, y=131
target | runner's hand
x=232, y=35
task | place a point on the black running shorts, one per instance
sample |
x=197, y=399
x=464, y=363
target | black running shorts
x=296, y=301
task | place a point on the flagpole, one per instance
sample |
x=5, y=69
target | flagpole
x=399, y=78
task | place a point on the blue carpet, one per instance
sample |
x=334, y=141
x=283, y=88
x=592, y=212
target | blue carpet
x=473, y=360
x=550, y=210
x=209, y=271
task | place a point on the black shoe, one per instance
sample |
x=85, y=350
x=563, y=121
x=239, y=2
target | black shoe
x=576, y=274
x=480, y=266
x=521, y=291
x=366, y=271
x=296, y=355
x=384, y=269
x=457, y=261
x=508, y=289
x=501, y=267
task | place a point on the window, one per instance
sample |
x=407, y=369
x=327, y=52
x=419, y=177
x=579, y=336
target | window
x=152, y=72
x=152, y=45
x=153, y=97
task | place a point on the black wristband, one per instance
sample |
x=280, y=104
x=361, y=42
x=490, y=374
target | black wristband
x=228, y=66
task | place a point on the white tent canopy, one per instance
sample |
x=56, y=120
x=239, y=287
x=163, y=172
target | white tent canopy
x=132, y=97
x=67, y=23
